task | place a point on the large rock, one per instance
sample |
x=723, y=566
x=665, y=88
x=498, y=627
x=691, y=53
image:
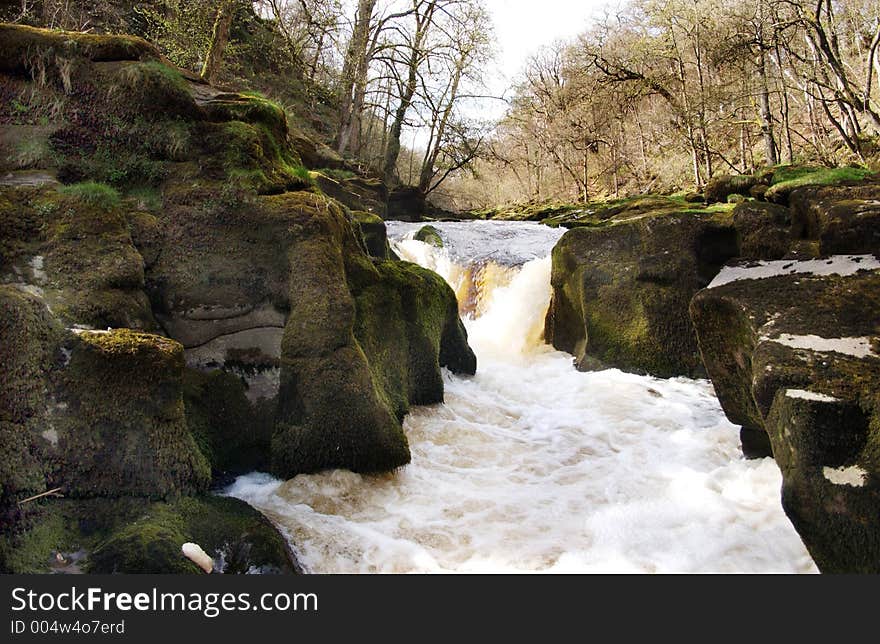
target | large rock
x=406, y=203
x=363, y=340
x=29, y=339
x=356, y=193
x=621, y=291
x=721, y=187
x=844, y=219
x=162, y=204
x=797, y=355
x=132, y=535
x=374, y=233
x=763, y=229
x=119, y=418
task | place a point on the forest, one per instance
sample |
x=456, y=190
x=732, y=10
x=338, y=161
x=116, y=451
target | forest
x=658, y=95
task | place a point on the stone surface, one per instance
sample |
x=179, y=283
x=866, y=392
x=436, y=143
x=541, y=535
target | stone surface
x=798, y=357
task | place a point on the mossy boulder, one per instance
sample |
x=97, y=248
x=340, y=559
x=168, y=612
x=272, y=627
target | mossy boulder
x=722, y=187
x=375, y=234
x=621, y=292
x=844, y=219
x=798, y=357
x=344, y=384
x=134, y=535
x=120, y=418
x=429, y=235
x=764, y=230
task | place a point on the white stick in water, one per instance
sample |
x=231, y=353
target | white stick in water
x=199, y=557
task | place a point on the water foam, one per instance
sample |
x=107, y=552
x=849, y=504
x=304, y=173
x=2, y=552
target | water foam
x=532, y=466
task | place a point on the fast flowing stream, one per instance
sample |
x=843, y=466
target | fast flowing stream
x=533, y=466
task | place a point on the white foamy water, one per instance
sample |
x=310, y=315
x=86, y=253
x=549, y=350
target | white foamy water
x=533, y=466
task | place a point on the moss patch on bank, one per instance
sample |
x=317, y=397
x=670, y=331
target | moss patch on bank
x=138, y=536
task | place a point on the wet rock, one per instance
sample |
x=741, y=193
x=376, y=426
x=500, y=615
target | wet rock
x=764, y=230
x=621, y=291
x=844, y=219
x=133, y=536
x=796, y=356
x=429, y=235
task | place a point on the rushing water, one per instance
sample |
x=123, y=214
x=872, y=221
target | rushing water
x=533, y=466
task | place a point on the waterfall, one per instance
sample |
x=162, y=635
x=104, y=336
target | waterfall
x=533, y=466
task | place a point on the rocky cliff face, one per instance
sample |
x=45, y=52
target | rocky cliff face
x=178, y=297
x=796, y=354
x=621, y=289
x=788, y=328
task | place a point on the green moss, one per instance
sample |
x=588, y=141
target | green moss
x=29, y=341
x=126, y=422
x=151, y=90
x=93, y=194
x=789, y=178
x=429, y=235
x=139, y=536
x=250, y=154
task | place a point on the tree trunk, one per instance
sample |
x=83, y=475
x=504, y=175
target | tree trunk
x=353, y=81
x=219, y=40
x=392, y=151
x=770, y=147
x=427, y=172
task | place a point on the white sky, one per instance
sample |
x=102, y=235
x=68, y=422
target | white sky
x=522, y=27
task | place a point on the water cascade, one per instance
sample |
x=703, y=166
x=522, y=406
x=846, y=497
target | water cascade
x=533, y=466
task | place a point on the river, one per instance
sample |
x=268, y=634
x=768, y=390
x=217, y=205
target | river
x=533, y=466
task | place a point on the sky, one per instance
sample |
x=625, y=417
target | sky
x=522, y=27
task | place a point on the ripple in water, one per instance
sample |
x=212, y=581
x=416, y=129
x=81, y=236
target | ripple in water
x=532, y=466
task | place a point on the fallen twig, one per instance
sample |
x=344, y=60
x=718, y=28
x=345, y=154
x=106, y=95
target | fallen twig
x=54, y=492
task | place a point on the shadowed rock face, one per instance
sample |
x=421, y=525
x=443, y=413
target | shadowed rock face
x=844, y=219
x=621, y=291
x=225, y=311
x=798, y=357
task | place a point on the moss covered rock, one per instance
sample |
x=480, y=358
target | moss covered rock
x=74, y=248
x=798, y=357
x=139, y=536
x=29, y=340
x=22, y=48
x=344, y=384
x=121, y=424
x=621, y=292
x=374, y=233
x=764, y=230
x=429, y=235
x=844, y=219
x=722, y=187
